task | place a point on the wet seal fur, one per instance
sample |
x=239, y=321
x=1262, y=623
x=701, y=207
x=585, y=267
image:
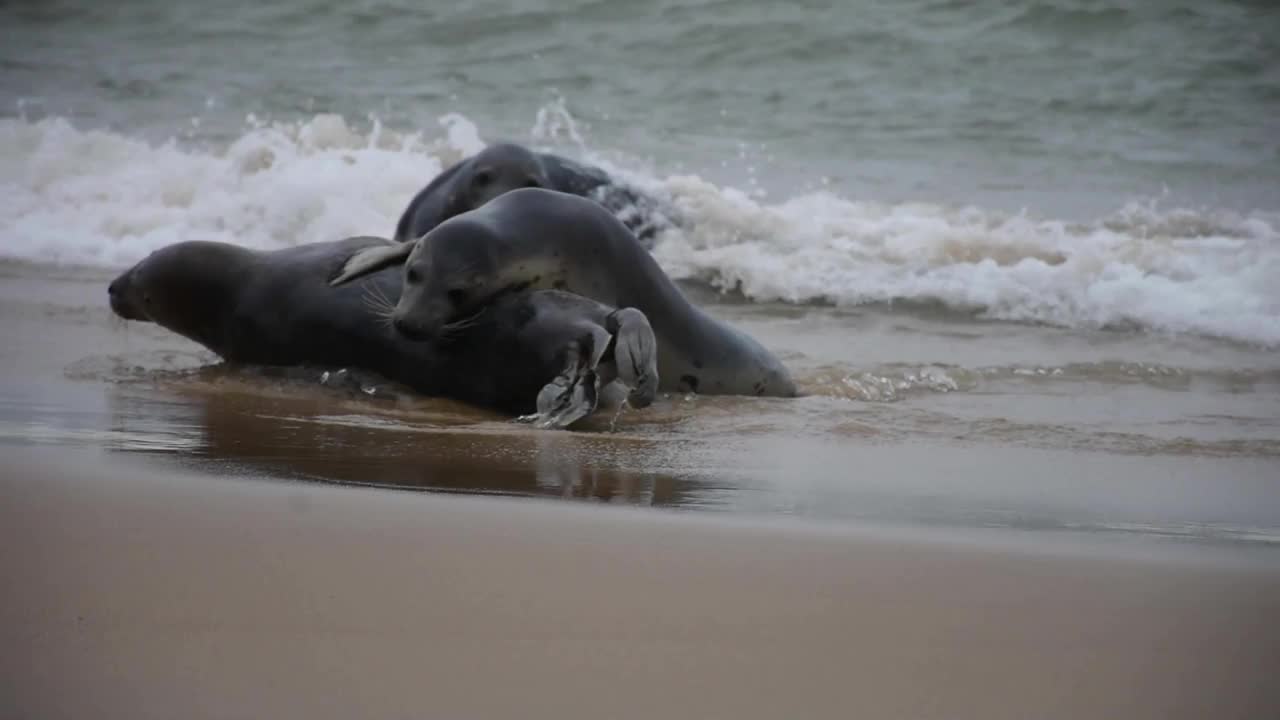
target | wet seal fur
x=278, y=308
x=503, y=167
x=533, y=238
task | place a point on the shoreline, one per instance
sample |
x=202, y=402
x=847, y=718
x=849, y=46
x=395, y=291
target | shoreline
x=1107, y=453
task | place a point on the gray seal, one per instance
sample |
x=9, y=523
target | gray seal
x=503, y=167
x=537, y=351
x=533, y=238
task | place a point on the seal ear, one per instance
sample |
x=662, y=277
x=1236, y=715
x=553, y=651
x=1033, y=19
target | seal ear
x=370, y=260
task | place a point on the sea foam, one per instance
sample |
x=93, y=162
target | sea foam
x=91, y=197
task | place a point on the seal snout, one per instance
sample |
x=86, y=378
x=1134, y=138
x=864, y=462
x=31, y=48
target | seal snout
x=118, y=294
x=409, y=329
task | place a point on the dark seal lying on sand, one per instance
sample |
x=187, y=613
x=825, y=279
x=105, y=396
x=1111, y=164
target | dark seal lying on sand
x=530, y=351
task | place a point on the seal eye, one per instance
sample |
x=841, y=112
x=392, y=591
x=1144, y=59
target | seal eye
x=412, y=277
x=482, y=178
x=457, y=296
x=531, y=183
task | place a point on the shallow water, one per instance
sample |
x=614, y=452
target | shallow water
x=923, y=421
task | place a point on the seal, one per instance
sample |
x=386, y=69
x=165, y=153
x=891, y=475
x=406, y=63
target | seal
x=543, y=351
x=534, y=238
x=503, y=167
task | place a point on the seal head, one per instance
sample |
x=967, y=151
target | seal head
x=187, y=285
x=494, y=171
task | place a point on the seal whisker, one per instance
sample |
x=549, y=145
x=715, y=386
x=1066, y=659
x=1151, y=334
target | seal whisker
x=377, y=302
x=465, y=322
x=457, y=326
x=376, y=292
x=386, y=318
x=381, y=313
x=379, y=307
x=383, y=295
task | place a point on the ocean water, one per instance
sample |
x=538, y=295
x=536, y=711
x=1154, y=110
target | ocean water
x=1082, y=163
x=1052, y=224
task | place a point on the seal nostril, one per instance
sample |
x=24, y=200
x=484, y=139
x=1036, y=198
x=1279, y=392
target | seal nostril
x=407, y=329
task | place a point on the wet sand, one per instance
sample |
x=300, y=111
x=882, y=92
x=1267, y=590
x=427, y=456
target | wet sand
x=1108, y=449
x=137, y=593
x=1088, y=547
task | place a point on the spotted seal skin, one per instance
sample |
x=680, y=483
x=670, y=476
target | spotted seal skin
x=278, y=308
x=534, y=238
x=503, y=167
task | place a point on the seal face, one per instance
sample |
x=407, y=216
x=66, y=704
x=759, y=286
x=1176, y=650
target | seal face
x=278, y=308
x=503, y=167
x=532, y=239
x=187, y=286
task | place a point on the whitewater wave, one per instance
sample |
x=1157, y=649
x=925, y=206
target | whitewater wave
x=1167, y=270
x=91, y=197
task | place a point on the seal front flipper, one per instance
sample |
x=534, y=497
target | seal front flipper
x=635, y=354
x=574, y=393
x=371, y=260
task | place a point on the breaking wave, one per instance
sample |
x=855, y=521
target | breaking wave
x=91, y=197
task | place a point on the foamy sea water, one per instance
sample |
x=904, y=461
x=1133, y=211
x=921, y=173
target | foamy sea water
x=70, y=195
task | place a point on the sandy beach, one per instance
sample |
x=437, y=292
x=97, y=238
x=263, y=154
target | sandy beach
x=136, y=593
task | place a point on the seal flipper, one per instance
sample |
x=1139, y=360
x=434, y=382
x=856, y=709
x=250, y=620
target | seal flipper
x=574, y=393
x=635, y=354
x=371, y=260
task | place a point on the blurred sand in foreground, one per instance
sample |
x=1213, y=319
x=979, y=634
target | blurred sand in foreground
x=144, y=593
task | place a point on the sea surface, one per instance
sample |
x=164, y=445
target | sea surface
x=1049, y=227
